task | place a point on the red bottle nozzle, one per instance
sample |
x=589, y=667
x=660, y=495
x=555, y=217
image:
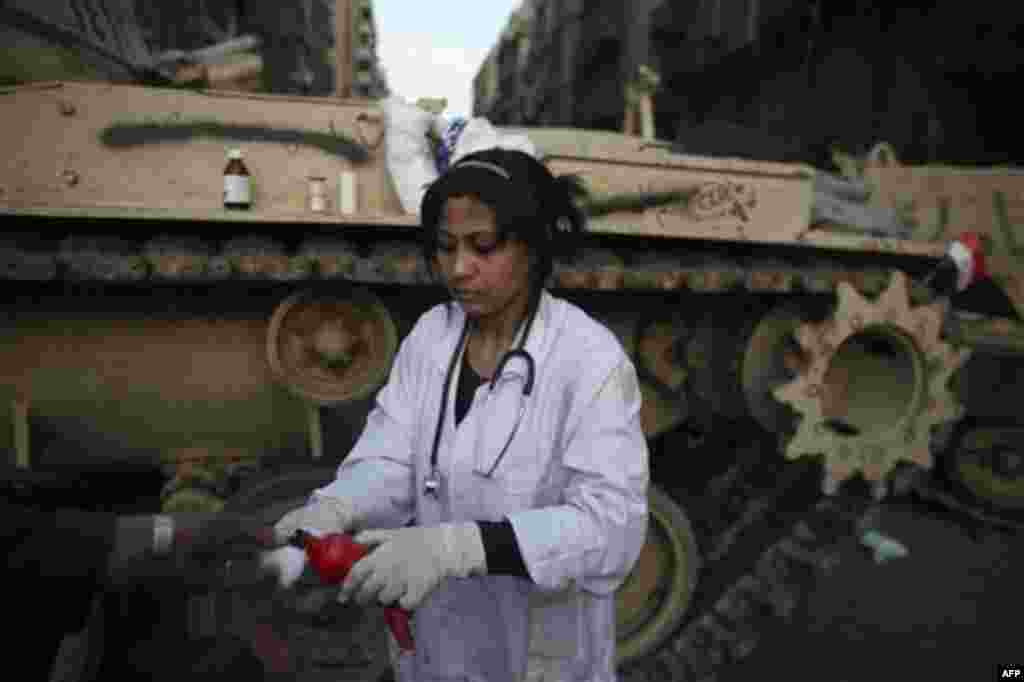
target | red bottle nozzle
x=398, y=620
x=332, y=557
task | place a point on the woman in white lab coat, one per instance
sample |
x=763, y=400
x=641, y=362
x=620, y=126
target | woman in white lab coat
x=528, y=485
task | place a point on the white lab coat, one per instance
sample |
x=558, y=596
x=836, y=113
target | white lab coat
x=573, y=483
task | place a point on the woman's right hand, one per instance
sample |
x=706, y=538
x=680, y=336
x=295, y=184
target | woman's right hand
x=321, y=515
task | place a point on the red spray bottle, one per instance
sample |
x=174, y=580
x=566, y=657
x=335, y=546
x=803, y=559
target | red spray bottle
x=332, y=557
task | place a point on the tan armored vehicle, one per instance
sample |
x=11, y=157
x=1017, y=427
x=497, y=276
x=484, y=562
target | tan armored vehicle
x=774, y=313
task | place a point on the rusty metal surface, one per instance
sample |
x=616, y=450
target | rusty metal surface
x=161, y=152
x=734, y=200
x=174, y=159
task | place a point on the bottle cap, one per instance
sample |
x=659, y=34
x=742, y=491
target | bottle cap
x=234, y=153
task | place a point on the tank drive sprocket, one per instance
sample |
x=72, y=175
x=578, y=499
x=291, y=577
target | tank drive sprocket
x=871, y=384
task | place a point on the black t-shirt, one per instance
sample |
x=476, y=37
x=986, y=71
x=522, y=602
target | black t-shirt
x=469, y=380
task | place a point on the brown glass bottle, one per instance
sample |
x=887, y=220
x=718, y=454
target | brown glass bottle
x=237, y=186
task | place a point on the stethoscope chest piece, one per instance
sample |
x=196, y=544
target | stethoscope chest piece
x=431, y=485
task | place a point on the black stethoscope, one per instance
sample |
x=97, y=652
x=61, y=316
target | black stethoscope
x=433, y=481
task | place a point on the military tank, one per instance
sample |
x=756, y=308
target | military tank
x=787, y=348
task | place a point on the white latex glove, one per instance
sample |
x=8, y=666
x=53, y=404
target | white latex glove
x=287, y=563
x=320, y=516
x=407, y=564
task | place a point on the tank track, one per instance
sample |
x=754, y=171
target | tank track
x=137, y=255
x=772, y=542
x=772, y=589
x=391, y=256
x=766, y=545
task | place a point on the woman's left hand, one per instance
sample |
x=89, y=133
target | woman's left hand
x=407, y=564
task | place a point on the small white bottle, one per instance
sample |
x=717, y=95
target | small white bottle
x=317, y=193
x=348, y=202
x=237, y=188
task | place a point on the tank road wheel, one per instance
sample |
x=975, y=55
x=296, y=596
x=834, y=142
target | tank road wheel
x=652, y=601
x=871, y=385
x=331, y=349
x=989, y=463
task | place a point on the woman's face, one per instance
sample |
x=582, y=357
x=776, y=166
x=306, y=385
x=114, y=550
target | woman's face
x=483, y=274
